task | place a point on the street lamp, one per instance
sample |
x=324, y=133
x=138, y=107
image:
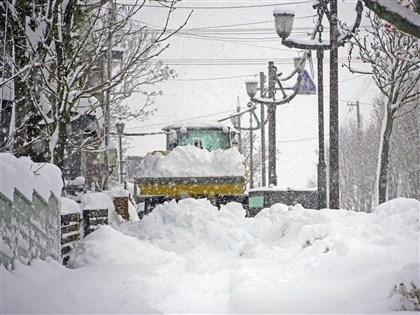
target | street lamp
x=120, y=131
x=235, y=120
x=283, y=21
x=251, y=87
x=268, y=98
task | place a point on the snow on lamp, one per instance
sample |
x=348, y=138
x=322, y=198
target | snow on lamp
x=283, y=21
x=251, y=87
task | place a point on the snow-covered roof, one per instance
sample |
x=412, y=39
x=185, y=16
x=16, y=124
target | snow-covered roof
x=195, y=125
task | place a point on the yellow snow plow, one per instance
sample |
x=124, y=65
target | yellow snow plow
x=200, y=162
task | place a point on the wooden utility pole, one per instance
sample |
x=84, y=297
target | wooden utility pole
x=272, y=172
x=334, y=174
x=238, y=109
x=322, y=176
x=263, y=158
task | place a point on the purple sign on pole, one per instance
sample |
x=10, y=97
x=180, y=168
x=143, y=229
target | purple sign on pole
x=307, y=85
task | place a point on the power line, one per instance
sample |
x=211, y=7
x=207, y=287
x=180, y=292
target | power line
x=363, y=89
x=249, y=76
x=181, y=120
x=217, y=8
x=217, y=78
x=244, y=24
x=228, y=62
x=297, y=140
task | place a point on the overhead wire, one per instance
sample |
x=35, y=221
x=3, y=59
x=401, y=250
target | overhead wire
x=216, y=33
x=180, y=120
x=219, y=113
x=217, y=8
x=362, y=90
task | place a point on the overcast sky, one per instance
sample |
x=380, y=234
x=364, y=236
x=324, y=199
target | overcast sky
x=223, y=44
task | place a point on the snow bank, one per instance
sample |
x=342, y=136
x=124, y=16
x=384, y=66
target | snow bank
x=187, y=257
x=190, y=221
x=27, y=176
x=185, y=161
x=109, y=246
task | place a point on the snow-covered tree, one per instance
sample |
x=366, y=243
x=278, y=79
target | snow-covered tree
x=404, y=173
x=395, y=60
x=56, y=53
x=403, y=14
x=358, y=151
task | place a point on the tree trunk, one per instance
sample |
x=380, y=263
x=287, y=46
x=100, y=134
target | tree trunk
x=383, y=161
x=21, y=104
x=60, y=148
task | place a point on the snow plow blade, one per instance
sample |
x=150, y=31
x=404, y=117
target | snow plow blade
x=218, y=189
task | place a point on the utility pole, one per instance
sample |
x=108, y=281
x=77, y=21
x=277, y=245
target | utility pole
x=263, y=158
x=322, y=176
x=251, y=150
x=271, y=112
x=238, y=109
x=351, y=104
x=334, y=196
x=108, y=93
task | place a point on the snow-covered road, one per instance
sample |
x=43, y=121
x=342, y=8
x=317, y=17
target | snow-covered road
x=189, y=258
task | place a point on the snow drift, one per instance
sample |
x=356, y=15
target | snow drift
x=188, y=257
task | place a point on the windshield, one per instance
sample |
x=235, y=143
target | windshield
x=205, y=139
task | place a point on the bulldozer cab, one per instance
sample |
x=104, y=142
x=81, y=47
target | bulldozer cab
x=203, y=136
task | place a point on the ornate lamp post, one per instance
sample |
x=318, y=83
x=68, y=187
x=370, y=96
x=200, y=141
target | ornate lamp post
x=120, y=131
x=283, y=21
x=235, y=119
x=268, y=97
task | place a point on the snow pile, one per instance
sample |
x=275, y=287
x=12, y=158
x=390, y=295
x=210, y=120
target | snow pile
x=97, y=200
x=69, y=206
x=190, y=258
x=185, y=161
x=190, y=222
x=108, y=246
x=27, y=176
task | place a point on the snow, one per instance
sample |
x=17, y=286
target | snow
x=399, y=10
x=190, y=258
x=272, y=187
x=86, y=106
x=97, y=200
x=186, y=161
x=26, y=176
x=195, y=124
x=252, y=80
x=69, y=206
x=283, y=11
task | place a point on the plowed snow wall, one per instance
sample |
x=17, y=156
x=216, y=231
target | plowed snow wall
x=29, y=229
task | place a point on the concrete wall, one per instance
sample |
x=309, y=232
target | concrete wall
x=29, y=229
